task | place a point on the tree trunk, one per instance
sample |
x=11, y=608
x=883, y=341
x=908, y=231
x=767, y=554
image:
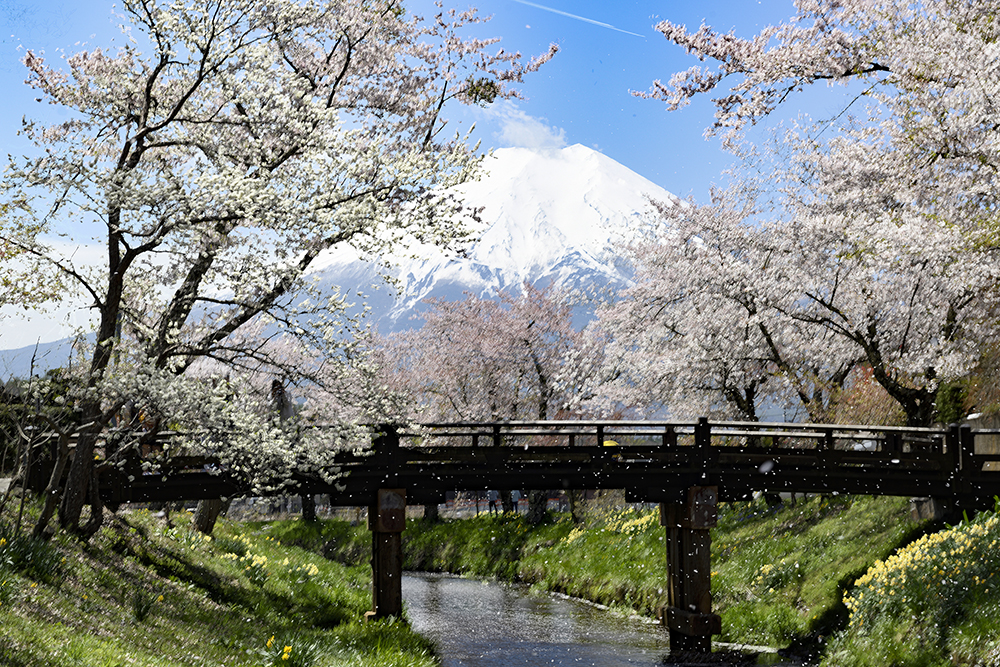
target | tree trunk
x=75, y=495
x=96, y=519
x=53, y=490
x=505, y=502
x=207, y=514
x=576, y=505
x=538, y=507
x=431, y=513
x=308, y=507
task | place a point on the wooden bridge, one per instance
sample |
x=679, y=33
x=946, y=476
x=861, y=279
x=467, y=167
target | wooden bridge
x=686, y=467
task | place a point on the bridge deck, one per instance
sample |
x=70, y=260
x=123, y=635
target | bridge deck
x=652, y=461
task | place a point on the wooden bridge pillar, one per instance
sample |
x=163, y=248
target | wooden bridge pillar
x=386, y=520
x=689, y=615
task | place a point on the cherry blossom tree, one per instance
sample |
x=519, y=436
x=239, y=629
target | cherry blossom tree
x=486, y=359
x=215, y=169
x=701, y=330
x=731, y=308
x=915, y=297
x=885, y=234
x=929, y=66
x=481, y=359
x=920, y=137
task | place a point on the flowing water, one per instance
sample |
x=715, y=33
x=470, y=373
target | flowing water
x=486, y=624
x=480, y=624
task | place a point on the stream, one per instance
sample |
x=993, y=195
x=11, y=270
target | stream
x=486, y=624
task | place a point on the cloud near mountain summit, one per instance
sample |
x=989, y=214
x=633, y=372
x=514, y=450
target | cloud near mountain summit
x=519, y=130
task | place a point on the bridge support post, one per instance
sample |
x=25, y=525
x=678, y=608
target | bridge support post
x=386, y=520
x=689, y=615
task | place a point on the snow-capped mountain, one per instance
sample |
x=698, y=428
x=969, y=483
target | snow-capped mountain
x=548, y=216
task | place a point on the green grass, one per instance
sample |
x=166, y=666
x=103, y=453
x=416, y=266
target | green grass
x=779, y=576
x=142, y=593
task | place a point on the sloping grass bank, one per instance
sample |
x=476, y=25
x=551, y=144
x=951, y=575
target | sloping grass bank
x=779, y=575
x=143, y=593
x=935, y=603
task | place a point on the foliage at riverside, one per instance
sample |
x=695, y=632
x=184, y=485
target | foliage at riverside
x=935, y=602
x=779, y=576
x=144, y=593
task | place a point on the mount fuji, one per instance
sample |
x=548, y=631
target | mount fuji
x=549, y=216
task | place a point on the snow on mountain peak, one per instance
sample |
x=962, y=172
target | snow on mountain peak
x=551, y=215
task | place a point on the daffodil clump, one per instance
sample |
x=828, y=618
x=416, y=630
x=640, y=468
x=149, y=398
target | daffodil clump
x=188, y=537
x=628, y=521
x=257, y=566
x=936, y=578
x=632, y=522
x=304, y=572
x=290, y=651
x=772, y=576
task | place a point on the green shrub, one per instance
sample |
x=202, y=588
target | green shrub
x=949, y=403
x=142, y=603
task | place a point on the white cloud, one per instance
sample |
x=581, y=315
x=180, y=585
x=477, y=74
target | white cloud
x=519, y=130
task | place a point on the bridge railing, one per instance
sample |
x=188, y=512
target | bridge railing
x=856, y=443
x=670, y=433
x=886, y=460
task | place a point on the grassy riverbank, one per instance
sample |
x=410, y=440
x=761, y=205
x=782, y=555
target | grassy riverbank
x=935, y=603
x=144, y=593
x=779, y=575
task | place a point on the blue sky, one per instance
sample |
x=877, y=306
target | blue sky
x=582, y=96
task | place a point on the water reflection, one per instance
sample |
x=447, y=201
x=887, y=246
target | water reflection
x=479, y=624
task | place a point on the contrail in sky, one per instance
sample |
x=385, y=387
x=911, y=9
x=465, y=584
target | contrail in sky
x=574, y=16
